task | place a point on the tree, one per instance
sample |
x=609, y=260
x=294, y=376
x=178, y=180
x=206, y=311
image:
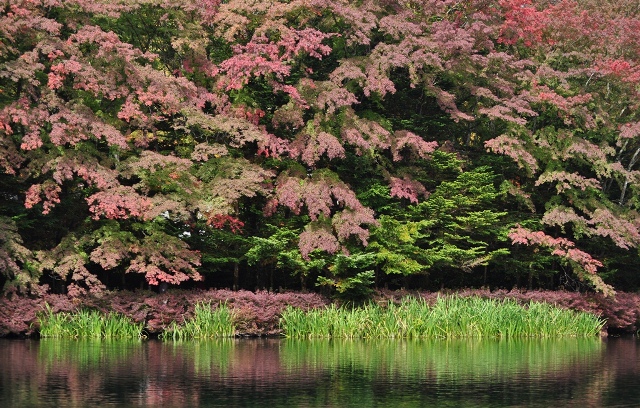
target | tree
x=333, y=116
x=87, y=116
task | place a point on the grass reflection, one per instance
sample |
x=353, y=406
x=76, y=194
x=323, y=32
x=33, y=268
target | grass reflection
x=453, y=358
x=210, y=356
x=459, y=358
x=86, y=353
x=322, y=372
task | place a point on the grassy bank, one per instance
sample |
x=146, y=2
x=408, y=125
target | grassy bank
x=207, y=323
x=448, y=317
x=87, y=324
x=259, y=313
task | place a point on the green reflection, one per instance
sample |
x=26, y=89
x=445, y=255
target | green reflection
x=86, y=353
x=290, y=373
x=209, y=356
x=447, y=373
x=453, y=358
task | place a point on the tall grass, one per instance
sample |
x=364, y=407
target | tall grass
x=207, y=322
x=89, y=324
x=448, y=317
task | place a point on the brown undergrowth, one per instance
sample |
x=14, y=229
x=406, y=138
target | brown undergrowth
x=257, y=313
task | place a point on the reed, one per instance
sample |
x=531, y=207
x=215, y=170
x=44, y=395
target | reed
x=448, y=317
x=89, y=324
x=207, y=322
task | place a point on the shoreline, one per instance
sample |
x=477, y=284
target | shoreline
x=257, y=313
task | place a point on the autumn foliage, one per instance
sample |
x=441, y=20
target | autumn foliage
x=437, y=143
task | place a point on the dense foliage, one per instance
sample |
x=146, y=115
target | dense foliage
x=344, y=144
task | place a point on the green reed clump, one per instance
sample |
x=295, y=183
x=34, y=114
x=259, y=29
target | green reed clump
x=449, y=317
x=207, y=322
x=87, y=324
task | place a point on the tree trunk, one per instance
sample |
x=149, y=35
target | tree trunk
x=236, y=276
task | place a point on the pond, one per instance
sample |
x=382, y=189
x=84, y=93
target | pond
x=321, y=373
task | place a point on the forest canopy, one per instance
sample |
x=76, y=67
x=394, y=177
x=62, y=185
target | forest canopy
x=319, y=144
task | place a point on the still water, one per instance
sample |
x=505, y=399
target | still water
x=277, y=373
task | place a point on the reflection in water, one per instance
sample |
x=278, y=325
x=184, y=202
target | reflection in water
x=286, y=373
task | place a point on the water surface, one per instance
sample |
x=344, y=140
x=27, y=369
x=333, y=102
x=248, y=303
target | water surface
x=285, y=373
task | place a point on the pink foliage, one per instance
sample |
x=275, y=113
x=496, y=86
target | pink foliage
x=353, y=136
x=318, y=193
x=110, y=44
x=447, y=102
x=624, y=233
x=219, y=221
x=349, y=223
x=514, y=148
x=522, y=22
x=110, y=253
x=32, y=196
x=317, y=197
x=400, y=25
x=503, y=113
x=377, y=82
x=358, y=21
x=600, y=222
x=596, y=155
x=203, y=151
x=365, y=134
x=289, y=192
x=566, y=181
x=584, y=265
x=310, y=147
x=630, y=130
x=345, y=197
x=152, y=161
x=163, y=258
x=519, y=235
x=208, y=9
x=627, y=71
x=87, y=168
x=452, y=39
x=263, y=57
x=272, y=146
x=317, y=238
x=333, y=98
x=130, y=110
x=154, y=275
x=328, y=144
x=120, y=202
x=562, y=215
x=51, y=192
x=66, y=262
x=407, y=188
x=347, y=71
x=417, y=144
